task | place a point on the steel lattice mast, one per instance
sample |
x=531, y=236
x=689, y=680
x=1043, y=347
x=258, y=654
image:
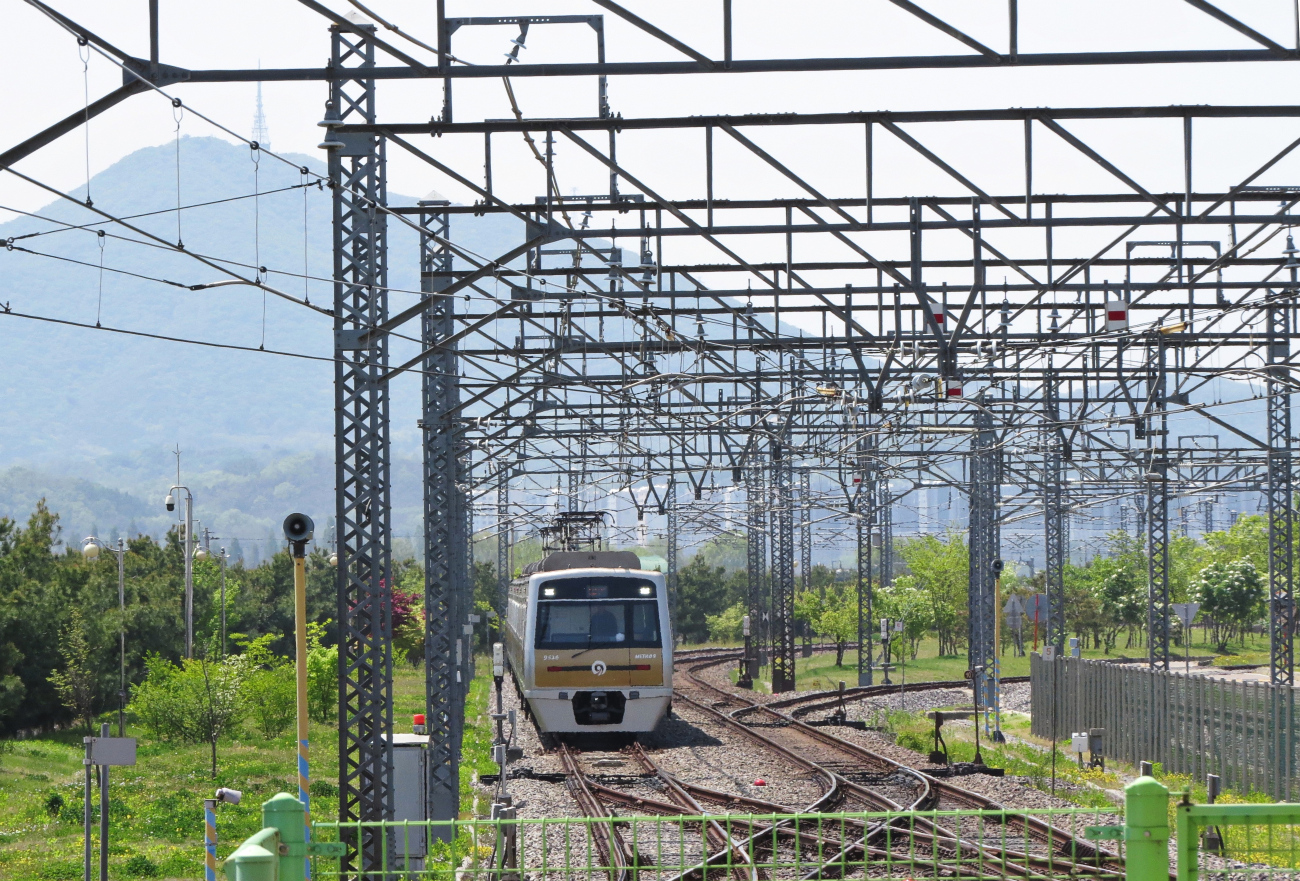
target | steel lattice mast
x=357, y=163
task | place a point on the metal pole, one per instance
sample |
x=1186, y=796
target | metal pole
x=444, y=523
x=209, y=839
x=1157, y=481
x=1053, y=520
x=298, y=549
x=503, y=538
x=103, y=811
x=223, y=603
x=783, y=678
x=754, y=560
x=363, y=509
x=86, y=807
x=121, y=638
x=189, y=574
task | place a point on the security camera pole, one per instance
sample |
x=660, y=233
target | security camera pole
x=187, y=548
x=298, y=530
x=90, y=549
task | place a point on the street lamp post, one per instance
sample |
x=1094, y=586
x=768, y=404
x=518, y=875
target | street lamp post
x=90, y=550
x=224, y=558
x=188, y=548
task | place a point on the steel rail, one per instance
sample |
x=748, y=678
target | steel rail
x=616, y=853
x=1032, y=828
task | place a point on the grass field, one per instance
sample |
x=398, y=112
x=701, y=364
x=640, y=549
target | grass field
x=156, y=807
x=820, y=673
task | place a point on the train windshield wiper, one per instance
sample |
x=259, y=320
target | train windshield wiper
x=605, y=643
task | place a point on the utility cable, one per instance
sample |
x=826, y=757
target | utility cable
x=70, y=227
x=236, y=276
x=5, y=310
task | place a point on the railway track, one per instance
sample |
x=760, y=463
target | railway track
x=852, y=779
x=866, y=781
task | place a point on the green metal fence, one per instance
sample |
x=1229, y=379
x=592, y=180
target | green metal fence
x=1237, y=841
x=1220, y=842
x=969, y=844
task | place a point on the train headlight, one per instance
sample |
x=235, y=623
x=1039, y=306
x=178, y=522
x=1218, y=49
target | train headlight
x=646, y=591
x=549, y=591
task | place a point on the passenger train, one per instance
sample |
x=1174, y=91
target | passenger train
x=589, y=642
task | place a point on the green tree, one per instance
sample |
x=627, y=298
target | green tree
x=727, y=625
x=270, y=689
x=702, y=590
x=839, y=620
x=1247, y=539
x=904, y=600
x=77, y=682
x=941, y=567
x=1231, y=596
x=198, y=701
x=322, y=674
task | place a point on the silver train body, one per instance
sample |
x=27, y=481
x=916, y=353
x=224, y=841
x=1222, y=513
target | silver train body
x=589, y=643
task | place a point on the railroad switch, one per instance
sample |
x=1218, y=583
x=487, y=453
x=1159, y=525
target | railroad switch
x=939, y=755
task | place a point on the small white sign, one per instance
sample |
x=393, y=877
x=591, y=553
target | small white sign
x=110, y=750
x=1116, y=315
x=1186, y=612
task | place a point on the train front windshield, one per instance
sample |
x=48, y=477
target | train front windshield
x=590, y=612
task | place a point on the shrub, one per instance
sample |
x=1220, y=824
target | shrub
x=140, y=866
x=271, y=697
x=324, y=788
x=322, y=675
x=53, y=804
x=727, y=625
x=196, y=702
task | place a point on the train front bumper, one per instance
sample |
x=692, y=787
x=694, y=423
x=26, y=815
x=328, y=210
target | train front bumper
x=569, y=710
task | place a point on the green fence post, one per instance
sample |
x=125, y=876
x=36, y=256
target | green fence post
x=257, y=859
x=1146, y=830
x=286, y=813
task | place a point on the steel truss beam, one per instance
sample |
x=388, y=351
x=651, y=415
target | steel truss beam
x=362, y=470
